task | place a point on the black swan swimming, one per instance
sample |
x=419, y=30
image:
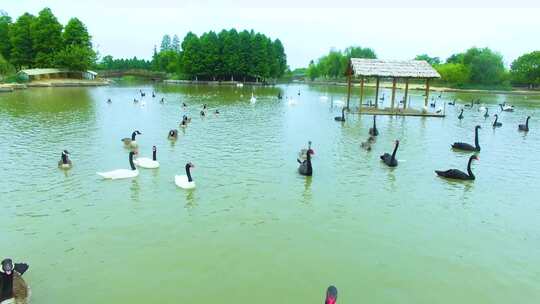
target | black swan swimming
x=142, y=93
x=373, y=130
x=453, y=103
x=153, y=94
x=525, y=127
x=305, y=167
x=390, y=160
x=486, y=115
x=109, y=100
x=460, y=117
x=342, y=117
x=458, y=174
x=331, y=295
x=496, y=123
x=470, y=105
x=466, y=146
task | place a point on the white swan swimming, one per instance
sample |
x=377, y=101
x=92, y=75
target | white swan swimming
x=122, y=173
x=291, y=101
x=65, y=163
x=148, y=163
x=253, y=99
x=185, y=181
x=130, y=142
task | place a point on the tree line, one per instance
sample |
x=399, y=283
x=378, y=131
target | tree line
x=227, y=55
x=476, y=67
x=43, y=42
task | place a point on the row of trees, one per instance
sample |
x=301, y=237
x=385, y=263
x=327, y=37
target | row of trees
x=334, y=64
x=42, y=42
x=110, y=63
x=480, y=67
x=225, y=55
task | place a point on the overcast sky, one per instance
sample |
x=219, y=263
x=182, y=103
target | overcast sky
x=308, y=29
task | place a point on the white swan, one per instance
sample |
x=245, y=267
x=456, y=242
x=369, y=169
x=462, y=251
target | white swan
x=65, y=163
x=148, y=163
x=507, y=108
x=185, y=181
x=122, y=173
x=239, y=85
x=291, y=101
x=253, y=99
x=130, y=142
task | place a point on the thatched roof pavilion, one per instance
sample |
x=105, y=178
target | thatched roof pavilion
x=395, y=69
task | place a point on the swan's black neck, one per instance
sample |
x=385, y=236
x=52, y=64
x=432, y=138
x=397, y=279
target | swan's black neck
x=469, y=171
x=343, y=113
x=188, y=173
x=6, y=292
x=527, y=122
x=64, y=158
x=374, y=122
x=133, y=135
x=395, y=150
x=476, y=144
x=496, y=119
x=154, y=152
x=131, y=164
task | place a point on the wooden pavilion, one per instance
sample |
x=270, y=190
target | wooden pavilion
x=394, y=69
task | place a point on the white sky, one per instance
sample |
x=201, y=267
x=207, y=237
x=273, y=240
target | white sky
x=308, y=29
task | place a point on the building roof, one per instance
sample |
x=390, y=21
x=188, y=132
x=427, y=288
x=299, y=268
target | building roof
x=34, y=72
x=393, y=68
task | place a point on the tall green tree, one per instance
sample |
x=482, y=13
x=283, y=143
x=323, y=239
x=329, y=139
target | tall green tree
x=22, y=50
x=190, y=58
x=165, y=43
x=525, y=70
x=359, y=52
x=175, y=45
x=46, y=38
x=5, y=43
x=487, y=67
x=76, y=33
x=75, y=57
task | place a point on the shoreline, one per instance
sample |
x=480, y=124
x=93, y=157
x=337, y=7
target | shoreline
x=10, y=87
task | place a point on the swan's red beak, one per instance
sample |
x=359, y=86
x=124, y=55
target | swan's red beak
x=330, y=300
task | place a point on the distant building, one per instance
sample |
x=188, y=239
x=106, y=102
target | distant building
x=43, y=74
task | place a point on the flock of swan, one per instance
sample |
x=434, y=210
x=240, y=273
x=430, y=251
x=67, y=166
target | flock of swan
x=456, y=174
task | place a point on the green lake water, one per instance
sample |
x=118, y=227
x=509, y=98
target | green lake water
x=254, y=231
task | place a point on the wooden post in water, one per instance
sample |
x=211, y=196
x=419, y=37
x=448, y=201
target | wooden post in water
x=377, y=93
x=427, y=93
x=361, y=92
x=406, y=93
x=349, y=72
x=393, y=93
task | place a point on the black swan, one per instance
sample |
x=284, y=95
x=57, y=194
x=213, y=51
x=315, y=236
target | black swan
x=390, y=160
x=433, y=103
x=453, y=103
x=153, y=94
x=373, y=131
x=460, y=117
x=305, y=167
x=109, y=100
x=279, y=96
x=524, y=127
x=142, y=93
x=12, y=285
x=458, y=174
x=135, y=100
x=342, y=117
x=466, y=146
x=303, y=152
x=470, y=105
x=496, y=123
x=331, y=295
x=486, y=115
x=162, y=100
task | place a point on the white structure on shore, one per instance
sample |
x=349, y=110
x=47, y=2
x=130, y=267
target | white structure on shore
x=42, y=74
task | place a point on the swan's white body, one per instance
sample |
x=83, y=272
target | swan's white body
x=183, y=182
x=239, y=85
x=291, y=102
x=507, y=108
x=147, y=163
x=482, y=109
x=119, y=174
x=253, y=99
